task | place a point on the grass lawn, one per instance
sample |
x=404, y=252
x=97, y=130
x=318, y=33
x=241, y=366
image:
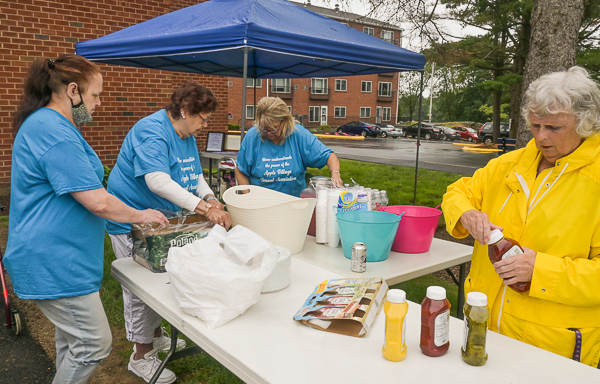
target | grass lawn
x=397, y=181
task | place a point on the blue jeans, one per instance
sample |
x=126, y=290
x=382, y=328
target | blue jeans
x=83, y=337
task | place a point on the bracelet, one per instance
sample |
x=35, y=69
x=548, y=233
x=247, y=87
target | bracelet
x=335, y=171
x=211, y=198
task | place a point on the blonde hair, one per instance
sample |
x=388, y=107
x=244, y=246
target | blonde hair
x=271, y=110
x=572, y=92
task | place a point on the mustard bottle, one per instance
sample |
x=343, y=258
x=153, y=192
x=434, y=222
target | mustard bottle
x=395, y=308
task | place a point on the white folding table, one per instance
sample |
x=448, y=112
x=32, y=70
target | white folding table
x=398, y=267
x=265, y=345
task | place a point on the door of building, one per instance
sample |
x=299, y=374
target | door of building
x=378, y=115
x=323, y=115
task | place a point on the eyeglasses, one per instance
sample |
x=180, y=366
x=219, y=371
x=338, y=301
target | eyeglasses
x=273, y=130
x=203, y=119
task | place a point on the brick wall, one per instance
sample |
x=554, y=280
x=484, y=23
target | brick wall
x=301, y=100
x=38, y=28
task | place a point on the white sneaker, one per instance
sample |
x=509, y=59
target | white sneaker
x=146, y=367
x=163, y=342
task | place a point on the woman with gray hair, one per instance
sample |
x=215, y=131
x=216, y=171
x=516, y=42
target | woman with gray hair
x=276, y=152
x=545, y=197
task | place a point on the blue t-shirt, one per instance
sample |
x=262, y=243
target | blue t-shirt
x=281, y=167
x=152, y=145
x=55, y=245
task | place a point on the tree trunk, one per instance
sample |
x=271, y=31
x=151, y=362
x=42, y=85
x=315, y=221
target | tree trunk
x=554, y=31
x=521, y=51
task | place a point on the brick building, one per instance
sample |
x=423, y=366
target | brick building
x=47, y=28
x=334, y=100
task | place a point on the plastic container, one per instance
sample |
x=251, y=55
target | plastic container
x=280, y=218
x=500, y=248
x=477, y=316
x=375, y=229
x=435, y=321
x=395, y=308
x=416, y=230
x=311, y=193
x=281, y=275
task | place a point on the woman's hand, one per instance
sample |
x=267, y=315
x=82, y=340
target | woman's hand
x=214, y=202
x=337, y=180
x=478, y=224
x=219, y=217
x=518, y=268
x=148, y=216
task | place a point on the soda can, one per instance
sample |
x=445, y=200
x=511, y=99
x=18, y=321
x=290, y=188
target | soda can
x=358, y=262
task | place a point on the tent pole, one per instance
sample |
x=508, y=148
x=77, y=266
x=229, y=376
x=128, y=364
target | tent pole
x=418, y=137
x=245, y=77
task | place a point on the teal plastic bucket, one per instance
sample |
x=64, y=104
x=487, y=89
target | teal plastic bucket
x=376, y=229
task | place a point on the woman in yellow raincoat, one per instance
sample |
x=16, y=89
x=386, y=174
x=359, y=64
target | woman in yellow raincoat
x=545, y=196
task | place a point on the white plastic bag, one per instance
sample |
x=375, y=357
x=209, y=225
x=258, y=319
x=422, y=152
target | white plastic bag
x=217, y=278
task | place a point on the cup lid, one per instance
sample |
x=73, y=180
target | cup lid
x=396, y=296
x=477, y=299
x=436, y=293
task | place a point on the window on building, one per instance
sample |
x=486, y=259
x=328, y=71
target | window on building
x=340, y=84
x=387, y=36
x=281, y=85
x=230, y=83
x=250, y=111
x=366, y=86
x=250, y=83
x=369, y=31
x=385, y=89
x=290, y=108
x=365, y=112
x=387, y=114
x=319, y=86
x=313, y=114
x=339, y=112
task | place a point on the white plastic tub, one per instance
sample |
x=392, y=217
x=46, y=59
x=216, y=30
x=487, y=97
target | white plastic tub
x=280, y=218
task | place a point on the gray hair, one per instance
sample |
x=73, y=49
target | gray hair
x=572, y=92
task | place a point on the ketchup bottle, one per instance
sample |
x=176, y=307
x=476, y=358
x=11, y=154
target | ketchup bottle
x=500, y=248
x=435, y=320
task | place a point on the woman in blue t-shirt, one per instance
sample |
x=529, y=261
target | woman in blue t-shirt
x=159, y=167
x=276, y=152
x=55, y=252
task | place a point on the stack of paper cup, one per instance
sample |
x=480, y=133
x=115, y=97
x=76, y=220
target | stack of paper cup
x=333, y=232
x=321, y=216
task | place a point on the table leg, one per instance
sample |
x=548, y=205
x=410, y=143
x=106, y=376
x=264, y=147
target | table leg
x=172, y=355
x=461, y=291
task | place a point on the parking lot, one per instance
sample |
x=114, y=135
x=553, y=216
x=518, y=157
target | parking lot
x=433, y=155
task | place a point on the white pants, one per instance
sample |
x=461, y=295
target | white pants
x=83, y=337
x=140, y=320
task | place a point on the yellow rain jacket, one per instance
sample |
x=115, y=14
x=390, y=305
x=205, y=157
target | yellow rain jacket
x=557, y=214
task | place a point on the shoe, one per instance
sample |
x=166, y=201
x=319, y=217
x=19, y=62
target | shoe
x=145, y=368
x=163, y=342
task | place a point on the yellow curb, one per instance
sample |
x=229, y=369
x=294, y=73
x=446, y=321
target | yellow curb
x=467, y=145
x=479, y=149
x=340, y=137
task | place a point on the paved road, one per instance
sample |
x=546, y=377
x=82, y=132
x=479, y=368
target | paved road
x=433, y=155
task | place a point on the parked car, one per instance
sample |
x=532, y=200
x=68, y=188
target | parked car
x=389, y=130
x=360, y=128
x=429, y=131
x=448, y=133
x=486, y=132
x=467, y=133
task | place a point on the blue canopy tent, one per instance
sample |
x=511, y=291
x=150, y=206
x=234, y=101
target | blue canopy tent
x=256, y=38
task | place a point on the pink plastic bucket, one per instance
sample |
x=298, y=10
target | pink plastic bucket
x=416, y=229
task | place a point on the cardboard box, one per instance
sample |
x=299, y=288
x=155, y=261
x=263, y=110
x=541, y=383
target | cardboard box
x=344, y=306
x=151, y=242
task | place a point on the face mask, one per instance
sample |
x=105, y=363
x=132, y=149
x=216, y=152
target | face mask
x=80, y=112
